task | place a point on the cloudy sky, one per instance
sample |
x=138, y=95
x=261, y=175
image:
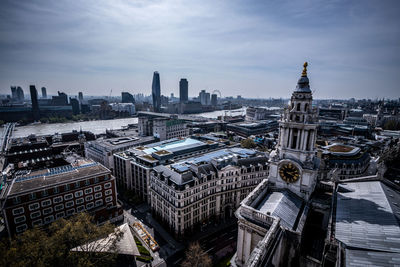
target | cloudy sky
x=251, y=48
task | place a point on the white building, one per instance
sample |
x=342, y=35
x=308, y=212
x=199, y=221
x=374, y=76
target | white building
x=189, y=193
x=102, y=150
x=124, y=107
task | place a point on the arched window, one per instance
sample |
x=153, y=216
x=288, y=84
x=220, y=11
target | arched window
x=306, y=107
x=298, y=106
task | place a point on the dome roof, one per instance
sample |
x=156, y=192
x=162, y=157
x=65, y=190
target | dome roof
x=303, y=84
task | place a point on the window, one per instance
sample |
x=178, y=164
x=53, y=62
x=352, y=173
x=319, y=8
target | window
x=80, y=208
x=16, y=200
x=79, y=201
x=89, y=205
x=98, y=195
x=68, y=196
x=89, y=198
x=108, y=192
x=34, y=206
x=32, y=196
x=18, y=211
x=69, y=204
x=35, y=214
x=55, y=190
x=59, y=207
x=107, y=185
x=20, y=219
x=48, y=219
x=109, y=199
x=87, y=182
x=96, y=180
x=60, y=215
x=21, y=228
x=88, y=191
x=70, y=212
x=45, y=193
x=37, y=222
x=47, y=211
x=79, y=193
x=66, y=187
x=97, y=188
x=77, y=184
x=46, y=203
x=58, y=199
x=99, y=202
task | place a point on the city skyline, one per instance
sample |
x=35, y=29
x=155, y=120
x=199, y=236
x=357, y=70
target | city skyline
x=236, y=47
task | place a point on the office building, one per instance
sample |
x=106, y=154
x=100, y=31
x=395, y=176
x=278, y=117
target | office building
x=123, y=108
x=35, y=104
x=80, y=97
x=14, y=93
x=43, y=196
x=75, y=105
x=20, y=94
x=156, y=92
x=183, y=90
x=162, y=128
x=127, y=98
x=102, y=150
x=133, y=166
x=207, y=188
x=214, y=100
x=44, y=93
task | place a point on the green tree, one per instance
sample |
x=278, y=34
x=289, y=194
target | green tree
x=52, y=246
x=195, y=256
x=248, y=143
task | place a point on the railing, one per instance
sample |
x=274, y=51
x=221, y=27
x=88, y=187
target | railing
x=256, y=216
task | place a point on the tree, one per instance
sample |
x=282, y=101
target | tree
x=52, y=246
x=196, y=257
x=248, y=143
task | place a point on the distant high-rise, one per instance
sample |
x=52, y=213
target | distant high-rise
x=20, y=94
x=44, y=92
x=80, y=97
x=183, y=90
x=35, y=104
x=75, y=105
x=214, y=99
x=156, y=92
x=204, y=98
x=14, y=92
x=60, y=100
x=127, y=98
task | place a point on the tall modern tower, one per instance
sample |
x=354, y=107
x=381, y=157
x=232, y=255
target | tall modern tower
x=20, y=94
x=44, y=92
x=14, y=92
x=156, y=92
x=183, y=90
x=35, y=104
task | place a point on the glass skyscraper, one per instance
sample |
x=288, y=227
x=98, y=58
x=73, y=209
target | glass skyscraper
x=156, y=92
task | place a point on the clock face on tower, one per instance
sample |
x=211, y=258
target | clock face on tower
x=289, y=172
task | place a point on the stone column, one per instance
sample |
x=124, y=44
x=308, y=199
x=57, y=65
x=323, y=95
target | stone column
x=240, y=243
x=304, y=146
x=290, y=138
x=299, y=137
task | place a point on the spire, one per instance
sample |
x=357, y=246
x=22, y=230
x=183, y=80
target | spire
x=304, y=73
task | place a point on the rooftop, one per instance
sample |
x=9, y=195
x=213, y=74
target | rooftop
x=367, y=222
x=48, y=177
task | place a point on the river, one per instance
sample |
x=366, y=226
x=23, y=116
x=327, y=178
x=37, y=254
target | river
x=99, y=126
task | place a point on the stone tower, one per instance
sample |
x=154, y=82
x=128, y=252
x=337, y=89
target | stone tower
x=293, y=163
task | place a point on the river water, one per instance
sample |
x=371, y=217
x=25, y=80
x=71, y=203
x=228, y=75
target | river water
x=99, y=126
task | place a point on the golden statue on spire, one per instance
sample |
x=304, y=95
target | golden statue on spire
x=304, y=73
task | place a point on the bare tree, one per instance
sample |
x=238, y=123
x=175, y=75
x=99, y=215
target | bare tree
x=196, y=257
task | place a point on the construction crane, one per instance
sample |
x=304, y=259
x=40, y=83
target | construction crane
x=109, y=97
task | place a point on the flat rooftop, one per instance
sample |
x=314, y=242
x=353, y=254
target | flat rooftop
x=172, y=146
x=50, y=177
x=367, y=222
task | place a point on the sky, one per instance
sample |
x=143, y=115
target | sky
x=251, y=48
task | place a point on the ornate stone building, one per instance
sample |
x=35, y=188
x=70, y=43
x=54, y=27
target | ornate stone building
x=272, y=217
